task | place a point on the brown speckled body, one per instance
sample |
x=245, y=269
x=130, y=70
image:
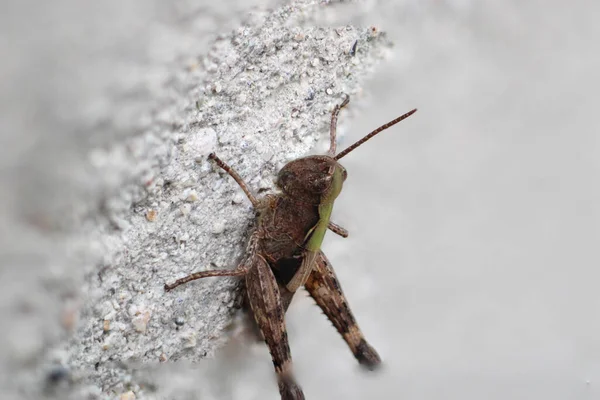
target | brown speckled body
x=283, y=225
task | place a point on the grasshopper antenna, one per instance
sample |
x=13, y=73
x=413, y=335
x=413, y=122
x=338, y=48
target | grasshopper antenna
x=375, y=132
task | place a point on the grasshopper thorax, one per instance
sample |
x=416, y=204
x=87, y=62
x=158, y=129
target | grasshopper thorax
x=313, y=179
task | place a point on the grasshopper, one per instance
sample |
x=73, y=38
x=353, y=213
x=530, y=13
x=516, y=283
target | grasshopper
x=284, y=254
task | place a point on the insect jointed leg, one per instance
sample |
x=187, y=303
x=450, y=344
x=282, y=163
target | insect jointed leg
x=241, y=270
x=265, y=301
x=338, y=230
x=325, y=289
x=223, y=165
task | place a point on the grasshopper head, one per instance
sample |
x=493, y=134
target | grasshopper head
x=318, y=179
x=313, y=179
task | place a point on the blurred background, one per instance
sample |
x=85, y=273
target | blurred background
x=472, y=260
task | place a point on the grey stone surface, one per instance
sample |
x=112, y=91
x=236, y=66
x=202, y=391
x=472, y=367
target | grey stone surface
x=133, y=201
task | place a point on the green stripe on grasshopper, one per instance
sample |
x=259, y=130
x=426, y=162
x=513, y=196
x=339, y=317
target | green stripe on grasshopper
x=316, y=235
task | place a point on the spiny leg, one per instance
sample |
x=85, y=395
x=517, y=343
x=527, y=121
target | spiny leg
x=286, y=299
x=325, y=288
x=338, y=230
x=265, y=301
x=333, y=126
x=235, y=176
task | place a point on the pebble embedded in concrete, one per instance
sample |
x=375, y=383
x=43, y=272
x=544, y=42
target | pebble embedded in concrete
x=185, y=209
x=127, y=396
x=140, y=321
x=218, y=227
x=188, y=340
x=238, y=198
x=151, y=215
x=190, y=196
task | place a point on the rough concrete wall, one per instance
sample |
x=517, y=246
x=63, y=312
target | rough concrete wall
x=472, y=258
x=112, y=194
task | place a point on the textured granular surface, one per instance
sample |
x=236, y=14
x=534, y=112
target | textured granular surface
x=151, y=208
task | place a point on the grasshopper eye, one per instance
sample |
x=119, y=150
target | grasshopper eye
x=344, y=174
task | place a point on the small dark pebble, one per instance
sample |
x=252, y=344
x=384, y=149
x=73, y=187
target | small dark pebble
x=311, y=95
x=353, y=49
x=57, y=374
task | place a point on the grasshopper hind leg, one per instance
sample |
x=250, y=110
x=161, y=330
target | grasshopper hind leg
x=325, y=289
x=289, y=389
x=266, y=304
x=251, y=326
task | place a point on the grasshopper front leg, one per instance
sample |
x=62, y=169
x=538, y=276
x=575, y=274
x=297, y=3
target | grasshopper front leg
x=324, y=287
x=265, y=301
x=338, y=230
